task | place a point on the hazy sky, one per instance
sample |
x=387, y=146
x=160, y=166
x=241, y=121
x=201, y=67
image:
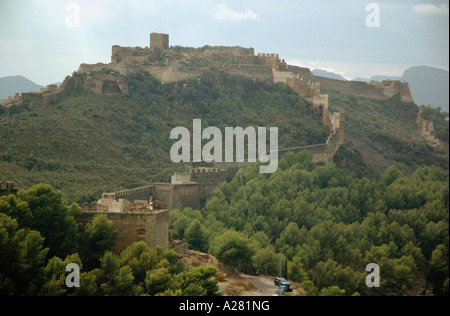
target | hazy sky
x=42, y=40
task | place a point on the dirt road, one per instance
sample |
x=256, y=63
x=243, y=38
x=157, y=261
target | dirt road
x=248, y=285
x=263, y=286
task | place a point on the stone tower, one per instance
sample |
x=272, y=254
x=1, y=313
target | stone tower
x=159, y=40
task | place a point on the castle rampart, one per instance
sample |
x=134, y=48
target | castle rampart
x=255, y=72
x=372, y=90
x=304, y=87
x=208, y=179
x=230, y=51
x=45, y=96
x=271, y=60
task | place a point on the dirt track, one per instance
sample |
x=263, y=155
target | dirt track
x=263, y=286
x=233, y=283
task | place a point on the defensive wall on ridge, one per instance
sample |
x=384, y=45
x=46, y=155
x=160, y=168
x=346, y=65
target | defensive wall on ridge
x=187, y=189
x=108, y=79
x=371, y=90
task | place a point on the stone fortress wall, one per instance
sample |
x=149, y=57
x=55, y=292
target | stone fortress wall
x=187, y=189
x=107, y=79
x=47, y=95
x=143, y=213
x=371, y=90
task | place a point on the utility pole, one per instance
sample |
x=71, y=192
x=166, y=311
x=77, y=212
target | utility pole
x=280, y=267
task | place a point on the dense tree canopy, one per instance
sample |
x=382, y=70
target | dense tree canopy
x=330, y=223
x=37, y=229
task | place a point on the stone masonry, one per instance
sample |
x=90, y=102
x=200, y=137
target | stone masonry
x=9, y=188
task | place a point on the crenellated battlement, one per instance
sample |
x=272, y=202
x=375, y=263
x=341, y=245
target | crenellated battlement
x=45, y=94
x=206, y=171
x=141, y=193
x=272, y=60
x=372, y=90
x=174, y=64
x=304, y=87
x=262, y=59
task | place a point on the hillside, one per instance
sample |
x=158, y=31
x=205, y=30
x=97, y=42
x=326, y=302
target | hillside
x=371, y=188
x=385, y=133
x=107, y=128
x=329, y=224
x=87, y=144
x=9, y=86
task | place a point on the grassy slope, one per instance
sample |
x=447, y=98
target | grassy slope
x=385, y=133
x=88, y=144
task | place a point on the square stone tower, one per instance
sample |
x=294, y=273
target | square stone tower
x=159, y=40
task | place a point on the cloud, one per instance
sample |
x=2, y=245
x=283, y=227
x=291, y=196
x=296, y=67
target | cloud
x=222, y=12
x=431, y=9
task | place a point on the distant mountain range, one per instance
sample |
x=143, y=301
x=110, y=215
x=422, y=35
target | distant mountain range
x=429, y=85
x=16, y=84
x=327, y=74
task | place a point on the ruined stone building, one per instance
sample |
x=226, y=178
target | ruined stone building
x=9, y=188
x=143, y=213
x=427, y=130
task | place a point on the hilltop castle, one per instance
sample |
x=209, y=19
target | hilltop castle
x=143, y=213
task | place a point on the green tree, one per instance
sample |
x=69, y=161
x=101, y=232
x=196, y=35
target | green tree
x=196, y=237
x=52, y=219
x=55, y=274
x=310, y=288
x=202, y=277
x=114, y=280
x=296, y=271
x=194, y=289
x=233, y=249
x=266, y=258
x=398, y=273
x=332, y=291
x=158, y=281
x=438, y=270
x=99, y=237
x=392, y=173
x=140, y=258
x=16, y=209
x=22, y=259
